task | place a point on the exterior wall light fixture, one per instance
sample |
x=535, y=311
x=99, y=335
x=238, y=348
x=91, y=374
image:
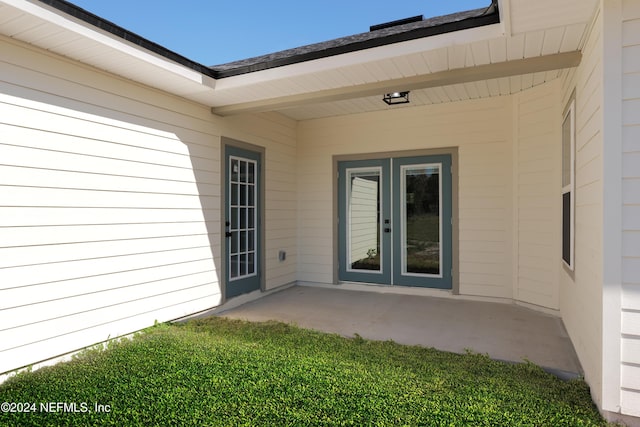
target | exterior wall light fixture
x=394, y=98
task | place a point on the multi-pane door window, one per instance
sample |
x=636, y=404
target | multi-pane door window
x=568, y=185
x=243, y=215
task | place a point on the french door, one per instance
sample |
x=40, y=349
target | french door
x=394, y=221
x=242, y=221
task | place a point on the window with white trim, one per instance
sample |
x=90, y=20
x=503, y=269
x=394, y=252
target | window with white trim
x=568, y=185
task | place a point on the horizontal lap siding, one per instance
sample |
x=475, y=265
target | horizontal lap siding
x=278, y=135
x=538, y=180
x=484, y=199
x=109, y=207
x=480, y=129
x=631, y=210
x=581, y=291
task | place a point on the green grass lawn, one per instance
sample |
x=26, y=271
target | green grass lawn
x=218, y=372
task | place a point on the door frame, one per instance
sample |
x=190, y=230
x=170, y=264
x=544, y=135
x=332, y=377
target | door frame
x=383, y=275
x=222, y=267
x=455, y=235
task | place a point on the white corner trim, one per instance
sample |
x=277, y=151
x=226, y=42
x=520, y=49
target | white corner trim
x=612, y=203
x=504, y=7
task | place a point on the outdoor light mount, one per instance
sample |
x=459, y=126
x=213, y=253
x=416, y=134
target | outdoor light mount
x=394, y=98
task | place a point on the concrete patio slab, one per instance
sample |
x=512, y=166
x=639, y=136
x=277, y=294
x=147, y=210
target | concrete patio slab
x=503, y=331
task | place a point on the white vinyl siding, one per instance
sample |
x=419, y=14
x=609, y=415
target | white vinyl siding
x=485, y=190
x=278, y=135
x=485, y=212
x=581, y=292
x=103, y=217
x=537, y=205
x=630, y=393
x=110, y=204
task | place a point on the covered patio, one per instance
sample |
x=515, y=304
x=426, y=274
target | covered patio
x=140, y=186
x=503, y=331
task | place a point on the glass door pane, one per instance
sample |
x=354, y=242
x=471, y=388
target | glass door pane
x=363, y=217
x=242, y=228
x=421, y=225
x=242, y=212
x=364, y=224
x=422, y=221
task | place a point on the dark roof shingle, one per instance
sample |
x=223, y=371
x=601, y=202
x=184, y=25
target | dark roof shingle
x=379, y=37
x=394, y=34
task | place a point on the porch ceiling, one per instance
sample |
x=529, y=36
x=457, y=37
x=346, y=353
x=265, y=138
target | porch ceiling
x=448, y=85
x=533, y=41
x=434, y=95
x=468, y=64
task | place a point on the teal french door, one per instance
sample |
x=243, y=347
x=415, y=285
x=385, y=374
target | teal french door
x=364, y=223
x=394, y=221
x=242, y=221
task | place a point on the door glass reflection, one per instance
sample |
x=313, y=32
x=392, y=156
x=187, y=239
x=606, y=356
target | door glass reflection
x=364, y=195
x=421, y=238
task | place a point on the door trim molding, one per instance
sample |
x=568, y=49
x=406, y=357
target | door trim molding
x=222, y=267
x=384, y=275
x=455, y=233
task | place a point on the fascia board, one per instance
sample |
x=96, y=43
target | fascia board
x=68, y=23
x=380, y=53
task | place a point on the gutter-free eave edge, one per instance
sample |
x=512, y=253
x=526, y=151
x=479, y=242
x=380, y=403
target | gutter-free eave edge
x=108, y=26
x=469, y=23
x=94, y=20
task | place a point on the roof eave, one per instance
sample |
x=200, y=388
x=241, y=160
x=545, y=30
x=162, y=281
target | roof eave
x=493, y=17
x=122, y=33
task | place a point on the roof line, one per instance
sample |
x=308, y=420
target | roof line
x=108, y=26
x=491, y=15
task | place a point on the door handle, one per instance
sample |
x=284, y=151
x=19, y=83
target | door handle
x=387, y=230
x=228, y=234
